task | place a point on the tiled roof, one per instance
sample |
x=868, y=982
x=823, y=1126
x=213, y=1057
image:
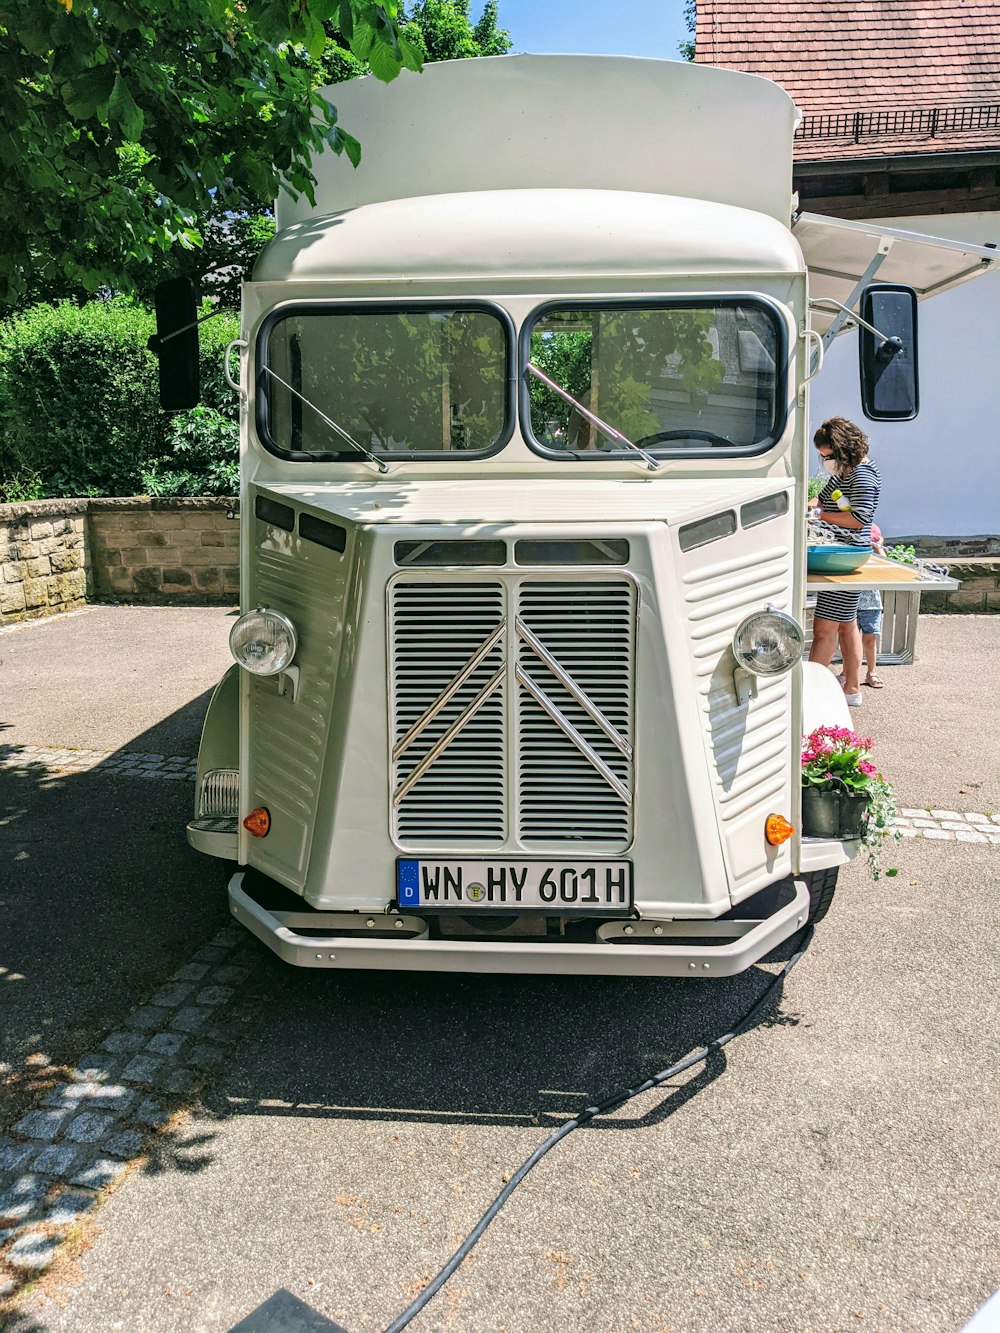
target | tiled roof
x=838, y=58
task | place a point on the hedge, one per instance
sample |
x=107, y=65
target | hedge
x=79, y=412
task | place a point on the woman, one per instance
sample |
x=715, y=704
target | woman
x=848, y=501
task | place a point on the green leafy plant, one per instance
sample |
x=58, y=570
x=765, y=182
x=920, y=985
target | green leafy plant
x=816, y=484
x=22, y=486
x=123, y=123
x=78, y=396
x=202, y=458
x=838, y=759
x=79, y=409
x=905, y=555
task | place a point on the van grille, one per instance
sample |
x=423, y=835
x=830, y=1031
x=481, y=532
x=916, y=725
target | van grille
x=448, y=771
x=574, y=664
x=511, y=712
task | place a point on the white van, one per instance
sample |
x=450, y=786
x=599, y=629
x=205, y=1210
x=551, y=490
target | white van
x=524, y=462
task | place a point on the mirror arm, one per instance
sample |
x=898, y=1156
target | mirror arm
x=155, y=342
x=817, y=302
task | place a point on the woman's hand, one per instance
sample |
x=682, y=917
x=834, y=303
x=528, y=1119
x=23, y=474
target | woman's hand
x=813, y=503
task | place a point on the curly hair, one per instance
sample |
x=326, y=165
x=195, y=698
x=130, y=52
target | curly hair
x=848, y=443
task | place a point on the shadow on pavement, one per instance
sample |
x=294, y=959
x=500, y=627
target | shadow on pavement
x=100, y=899
x=460, y=1050
x=285, y=1313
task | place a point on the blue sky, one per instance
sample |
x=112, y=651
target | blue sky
x=601, y=27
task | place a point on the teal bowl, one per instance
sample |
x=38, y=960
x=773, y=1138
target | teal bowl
x=836, y=559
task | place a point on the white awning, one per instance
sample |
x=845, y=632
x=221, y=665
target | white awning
x=841, y=255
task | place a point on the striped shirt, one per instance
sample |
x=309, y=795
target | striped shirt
x=862, y=487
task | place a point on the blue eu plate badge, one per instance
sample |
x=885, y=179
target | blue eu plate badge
x=408, y=883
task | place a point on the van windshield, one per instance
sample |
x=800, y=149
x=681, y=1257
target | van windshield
x=419, y=381
x=683, y=378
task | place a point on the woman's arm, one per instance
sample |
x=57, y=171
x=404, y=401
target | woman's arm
x=842, y=518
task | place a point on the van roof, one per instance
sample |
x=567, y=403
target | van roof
x=552, y=235
x=560, y=121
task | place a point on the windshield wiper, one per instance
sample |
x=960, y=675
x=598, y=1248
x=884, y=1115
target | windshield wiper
x=652, y=463
x=372, y=458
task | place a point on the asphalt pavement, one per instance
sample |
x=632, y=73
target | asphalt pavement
x=834, y=1168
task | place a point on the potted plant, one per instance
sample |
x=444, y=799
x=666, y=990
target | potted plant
x=844, y=795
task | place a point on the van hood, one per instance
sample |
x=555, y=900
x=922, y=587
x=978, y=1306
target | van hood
x=479, y=501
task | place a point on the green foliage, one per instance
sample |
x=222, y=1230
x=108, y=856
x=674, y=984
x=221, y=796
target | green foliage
x=23, y=485
x=906, y=555
x=686, y=48
x=879, y=824
x=225, y=259
x=78, y=398
x=123, y=125
x=816, y=484
x=443, y=30
x=203, y=457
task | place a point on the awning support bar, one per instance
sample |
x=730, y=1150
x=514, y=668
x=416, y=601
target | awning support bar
x=846, y=311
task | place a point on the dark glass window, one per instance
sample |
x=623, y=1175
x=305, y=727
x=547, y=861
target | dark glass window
x=682, y=378
x=402, y=382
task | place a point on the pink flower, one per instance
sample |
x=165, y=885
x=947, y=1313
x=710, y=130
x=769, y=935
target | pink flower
x=867, y=768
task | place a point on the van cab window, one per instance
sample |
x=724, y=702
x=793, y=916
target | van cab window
x=684, y=378
x=415, y=381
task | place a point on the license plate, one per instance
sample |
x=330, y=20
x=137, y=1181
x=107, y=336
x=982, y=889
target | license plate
x=603, y=888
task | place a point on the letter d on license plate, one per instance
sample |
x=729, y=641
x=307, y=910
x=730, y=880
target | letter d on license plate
x=599, y=888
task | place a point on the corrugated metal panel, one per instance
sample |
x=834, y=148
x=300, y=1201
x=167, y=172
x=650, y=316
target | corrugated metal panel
x=287, y=743
x=576, y=648
x=447, y=672
x=511, y=704
x=748, y=744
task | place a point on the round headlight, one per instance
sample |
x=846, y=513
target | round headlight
x=768, y=643
x=263, y=642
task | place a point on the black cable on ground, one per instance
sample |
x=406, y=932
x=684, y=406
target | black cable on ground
x=602, y=1108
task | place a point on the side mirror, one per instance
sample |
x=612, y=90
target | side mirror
x=889, y=383
x=176, y=344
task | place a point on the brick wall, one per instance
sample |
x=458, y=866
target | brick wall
x=164, y=550
x=54, y=554
x=43, y=558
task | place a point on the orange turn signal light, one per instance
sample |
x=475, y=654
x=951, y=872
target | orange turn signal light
x=258, y=822
x=777, y=830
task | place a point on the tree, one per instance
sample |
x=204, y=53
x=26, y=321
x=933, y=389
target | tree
x=443, y=30
x=231, y=242
x=125, y=121
x=686, y=48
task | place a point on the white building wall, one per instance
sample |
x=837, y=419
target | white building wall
x=941, y=471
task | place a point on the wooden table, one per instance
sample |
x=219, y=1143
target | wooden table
x=901, y=585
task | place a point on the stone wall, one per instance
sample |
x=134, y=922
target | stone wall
x=54, y=554
x=979, y=593
x=950, y=548
x=164, y=550
x=43, y=558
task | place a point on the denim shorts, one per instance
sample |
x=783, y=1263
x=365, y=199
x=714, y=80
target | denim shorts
x=870, y=619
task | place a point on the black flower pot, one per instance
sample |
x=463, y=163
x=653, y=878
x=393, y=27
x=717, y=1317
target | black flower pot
x=832, y=814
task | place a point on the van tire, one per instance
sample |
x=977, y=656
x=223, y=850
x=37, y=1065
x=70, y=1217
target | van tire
x=822, y=885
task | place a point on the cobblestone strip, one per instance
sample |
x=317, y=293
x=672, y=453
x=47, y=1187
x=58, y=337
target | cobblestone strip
x=949, y=825
x=174, y=768
x=86, y=1130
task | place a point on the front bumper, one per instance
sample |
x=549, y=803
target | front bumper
x=742, y=942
